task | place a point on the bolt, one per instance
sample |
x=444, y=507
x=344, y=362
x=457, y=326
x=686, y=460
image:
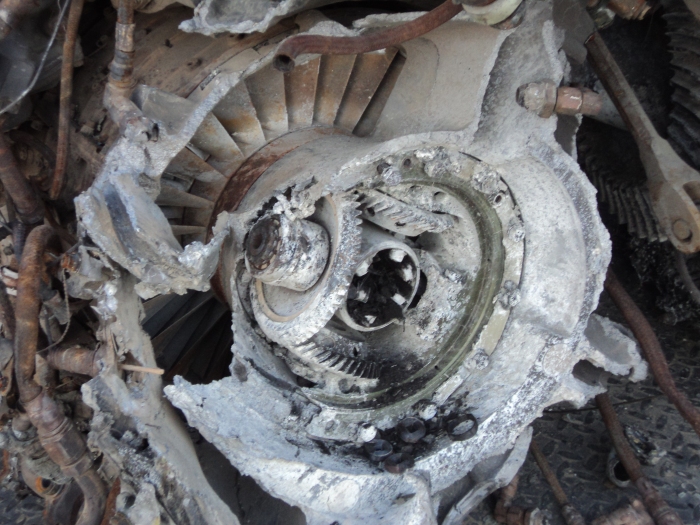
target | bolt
x=682, y=231
x=411, y=429
x=378, y=449
x=544, y=99
x=425, y=409
x=462, y=428
x=398, y=463
x=367, y=433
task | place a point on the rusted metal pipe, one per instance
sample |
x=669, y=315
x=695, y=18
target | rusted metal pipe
x=509, y=514
x=571, y=515
x=505, y=500
x=57, y=183
x=76, y=359
x=26, y=202
x=651, y=348
x=122, y=110
x=297, y=45
x=658, y=508
x=31, y=274
x=57, y=434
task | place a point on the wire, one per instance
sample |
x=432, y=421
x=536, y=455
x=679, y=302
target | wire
x=41, y=62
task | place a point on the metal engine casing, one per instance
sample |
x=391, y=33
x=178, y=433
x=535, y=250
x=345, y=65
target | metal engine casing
x=456, y=93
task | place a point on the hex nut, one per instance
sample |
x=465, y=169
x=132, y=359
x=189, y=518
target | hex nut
x=463, y=427
x=538, y=97
x=411, y=430
x=378, y=449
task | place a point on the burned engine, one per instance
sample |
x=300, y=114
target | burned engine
x=338, y=242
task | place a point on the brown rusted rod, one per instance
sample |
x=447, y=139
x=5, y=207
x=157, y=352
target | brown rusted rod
x=27, y=203
x=652, y=350
x=297, y=45
x=122, y=66
x=57, y=434
x=76, y=359
x=571, y=515
x=658, y=508
x=57, y=183
x=28, y=304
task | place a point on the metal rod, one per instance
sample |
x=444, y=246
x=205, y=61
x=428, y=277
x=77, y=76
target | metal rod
x=75, y=359
x=31, y=273
x=652, y=350
x=571, y=515
x=57, y=183
x=297, y=45
x=658, y=508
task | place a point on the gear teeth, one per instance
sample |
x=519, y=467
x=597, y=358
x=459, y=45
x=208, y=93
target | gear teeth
x=394, y=214
x=683, y=31
x=336, y=362
x=630, y=204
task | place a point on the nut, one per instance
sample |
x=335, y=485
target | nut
x=378, y=449
x=463, y=427
x=538, y=97
x=411, y=430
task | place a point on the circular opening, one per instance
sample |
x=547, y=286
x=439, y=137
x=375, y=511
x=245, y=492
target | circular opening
x=381, y=295
x=620, y=472
x=45, y=483
x=283, y=63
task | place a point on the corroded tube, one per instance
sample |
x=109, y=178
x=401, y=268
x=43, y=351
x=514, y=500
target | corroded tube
x=658, y=508
x=57, y=183
x=354, y=45
x=57, y=434
x=76, y=359
x=652, y=350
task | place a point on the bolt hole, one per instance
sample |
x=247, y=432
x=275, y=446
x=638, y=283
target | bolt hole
x=129, y=501
x=407, y=163
x=45, y=483
x=620, y=472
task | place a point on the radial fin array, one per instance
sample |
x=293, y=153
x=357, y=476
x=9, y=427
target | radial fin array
x=327, y=91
